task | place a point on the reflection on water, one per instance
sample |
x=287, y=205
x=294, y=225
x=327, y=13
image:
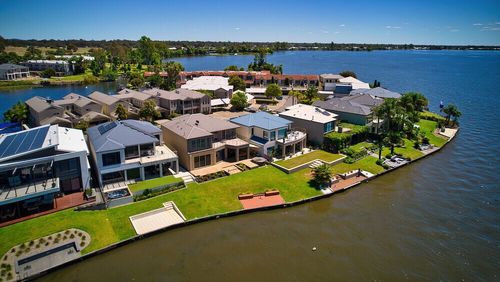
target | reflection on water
x=437, y=219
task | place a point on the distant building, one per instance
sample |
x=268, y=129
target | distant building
x=379, y=92
x=43, y=111
x=219, y=85
x=328, y=81
x=12, y=72
x=136, y=100
x=270, y=135
x=129, y=150
x=354, y=82
x=61, y=67
x=109, y=103
x=38, y=164
x=356, y=109
x=181, y=101
x=203, y=140
x=316, y=121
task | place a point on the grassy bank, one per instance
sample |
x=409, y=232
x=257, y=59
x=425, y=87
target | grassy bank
x=315, y=155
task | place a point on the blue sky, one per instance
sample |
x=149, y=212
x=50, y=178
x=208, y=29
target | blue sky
x=360, y=21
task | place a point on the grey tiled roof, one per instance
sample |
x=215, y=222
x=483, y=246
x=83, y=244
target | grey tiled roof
x=40, y=104
x=178, y=94
x=197, y=125
x=11, y=66
x=124, y=133
x=377, y=92
x=346, y=106
x=103, y=98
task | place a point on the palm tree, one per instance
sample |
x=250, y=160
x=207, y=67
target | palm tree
x=18, y=113
x=395, y=122
x=322, y=174
x=297, y=96
x=452, y=111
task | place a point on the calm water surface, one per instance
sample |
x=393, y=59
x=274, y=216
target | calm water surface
x=438, y=219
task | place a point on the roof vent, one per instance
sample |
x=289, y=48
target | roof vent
x=196, y=122
x=177, y=91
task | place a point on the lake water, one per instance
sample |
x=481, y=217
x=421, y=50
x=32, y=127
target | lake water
x=438, y=219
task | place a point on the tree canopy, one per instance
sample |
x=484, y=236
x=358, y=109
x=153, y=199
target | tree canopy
x=239, y=101
x=17, y=113
x=237, y=83
x=260, y=63
x=452, y=113
x=121, y=112
x=273, y=91
x=149, y=111
x=348, y=73
x=173, y=69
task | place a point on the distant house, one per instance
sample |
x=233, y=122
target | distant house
x=43, y=111
x=219, y=85
x=12, y=72
x=328, y=81
x=108, y=102
x=354, y=82
x=59, y=66
x=78, y=108
x=181, y=101
x=356, y=109
x=38, y=164
x=316, y=121
x=270, y=135
x=129, y=150
x=136, y=99
x=202, y=140
x=379, y=92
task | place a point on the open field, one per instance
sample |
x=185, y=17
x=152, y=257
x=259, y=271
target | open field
x=21, y=50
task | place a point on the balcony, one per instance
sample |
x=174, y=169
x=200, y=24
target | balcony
x=28, y=190
x=160, y=153
x=293, y=136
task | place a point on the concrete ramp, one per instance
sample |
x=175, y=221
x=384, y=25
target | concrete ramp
x=157, y=219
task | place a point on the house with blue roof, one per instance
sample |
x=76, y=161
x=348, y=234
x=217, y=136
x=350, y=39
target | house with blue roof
x=270, y=135
x=129, y=150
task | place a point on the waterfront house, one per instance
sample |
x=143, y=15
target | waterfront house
x=270, y=135
x=181, y=101
x=379, y=92
x=129, y=150
x=43, y=111
x=355, y=109
x=108, y=102
x=12, y=72
x=217, y=85
x=354, y=82
x=38, y=164
x=136, y=100
x=202, y=140
x=78, y=108
x=328, y=81
x=61, y=67
x=316, y=121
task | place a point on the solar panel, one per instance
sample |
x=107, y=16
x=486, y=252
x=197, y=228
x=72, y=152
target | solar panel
x=106, y=127
x=23, y=142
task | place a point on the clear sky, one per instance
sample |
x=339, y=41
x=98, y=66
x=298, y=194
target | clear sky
x=360, y=21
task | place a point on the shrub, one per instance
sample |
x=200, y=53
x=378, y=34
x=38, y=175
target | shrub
x=90, y=79
x=349, y=160
x=379, y=162
x=425, y=141
x=48, y=73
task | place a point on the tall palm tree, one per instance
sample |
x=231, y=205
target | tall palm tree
x=452, y=111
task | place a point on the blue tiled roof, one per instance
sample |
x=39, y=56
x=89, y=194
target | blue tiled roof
x=262, y=120
x=122, y=134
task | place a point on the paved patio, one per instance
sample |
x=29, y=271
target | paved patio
x=345, y=183
x=229, y=167
x=156, y=219
x=261, y=200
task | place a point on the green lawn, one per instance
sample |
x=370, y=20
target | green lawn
x=367, y=163
x=153, y=183
x=315, y=155
x=361, y=145
x=407, y=151
x=197, y=200
x=427, y=127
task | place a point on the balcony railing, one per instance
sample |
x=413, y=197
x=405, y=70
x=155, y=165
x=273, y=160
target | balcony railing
x=294, y=135
x=31, y=188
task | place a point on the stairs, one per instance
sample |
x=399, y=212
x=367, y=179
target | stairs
x=186, y=176
x=315, y=164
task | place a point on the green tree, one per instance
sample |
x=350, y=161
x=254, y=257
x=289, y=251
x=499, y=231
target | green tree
x=297, y=96
x=136, y=80
x=121, y=112
x=32, y=53
x=416, y=100
x=149, y=111
x=273, y=91
x=82, y=125
x=48, y=73
x=148, y=52
x=71, y=47
x=17, y=113
x=260, y=63
x=155, y=80
x=239, y=101
x=109, y=74
x=100, y=58
x=395, y=123
x=452, y=113
x=173, y=69
x=322, y=174
x=237, y=83
x=233, y=68
x=79, y=64
x=311, y=93
x=348, y=73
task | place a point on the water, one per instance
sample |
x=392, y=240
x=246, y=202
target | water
x=438, y=219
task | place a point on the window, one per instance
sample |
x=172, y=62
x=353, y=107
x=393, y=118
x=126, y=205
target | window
x=265, y=135
x=282, y=133
x=199, y=144
x=202, y=161
x=131, y=152
x=147, y=150
x=273, y=135
x=328, y=126
x=111, y=158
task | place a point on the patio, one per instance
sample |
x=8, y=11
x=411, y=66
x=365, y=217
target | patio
x=261, y=200
x=231, y=166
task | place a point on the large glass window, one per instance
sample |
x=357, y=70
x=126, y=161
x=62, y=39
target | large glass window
x=200, y=144
x=273, y=135
x=131, y=152
x=281, y=133
x=134, y=174
x=113, y=177
x=111, y=159
x=328, y=126
x=202, y=161
x=147, y=150
x=265, y=135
